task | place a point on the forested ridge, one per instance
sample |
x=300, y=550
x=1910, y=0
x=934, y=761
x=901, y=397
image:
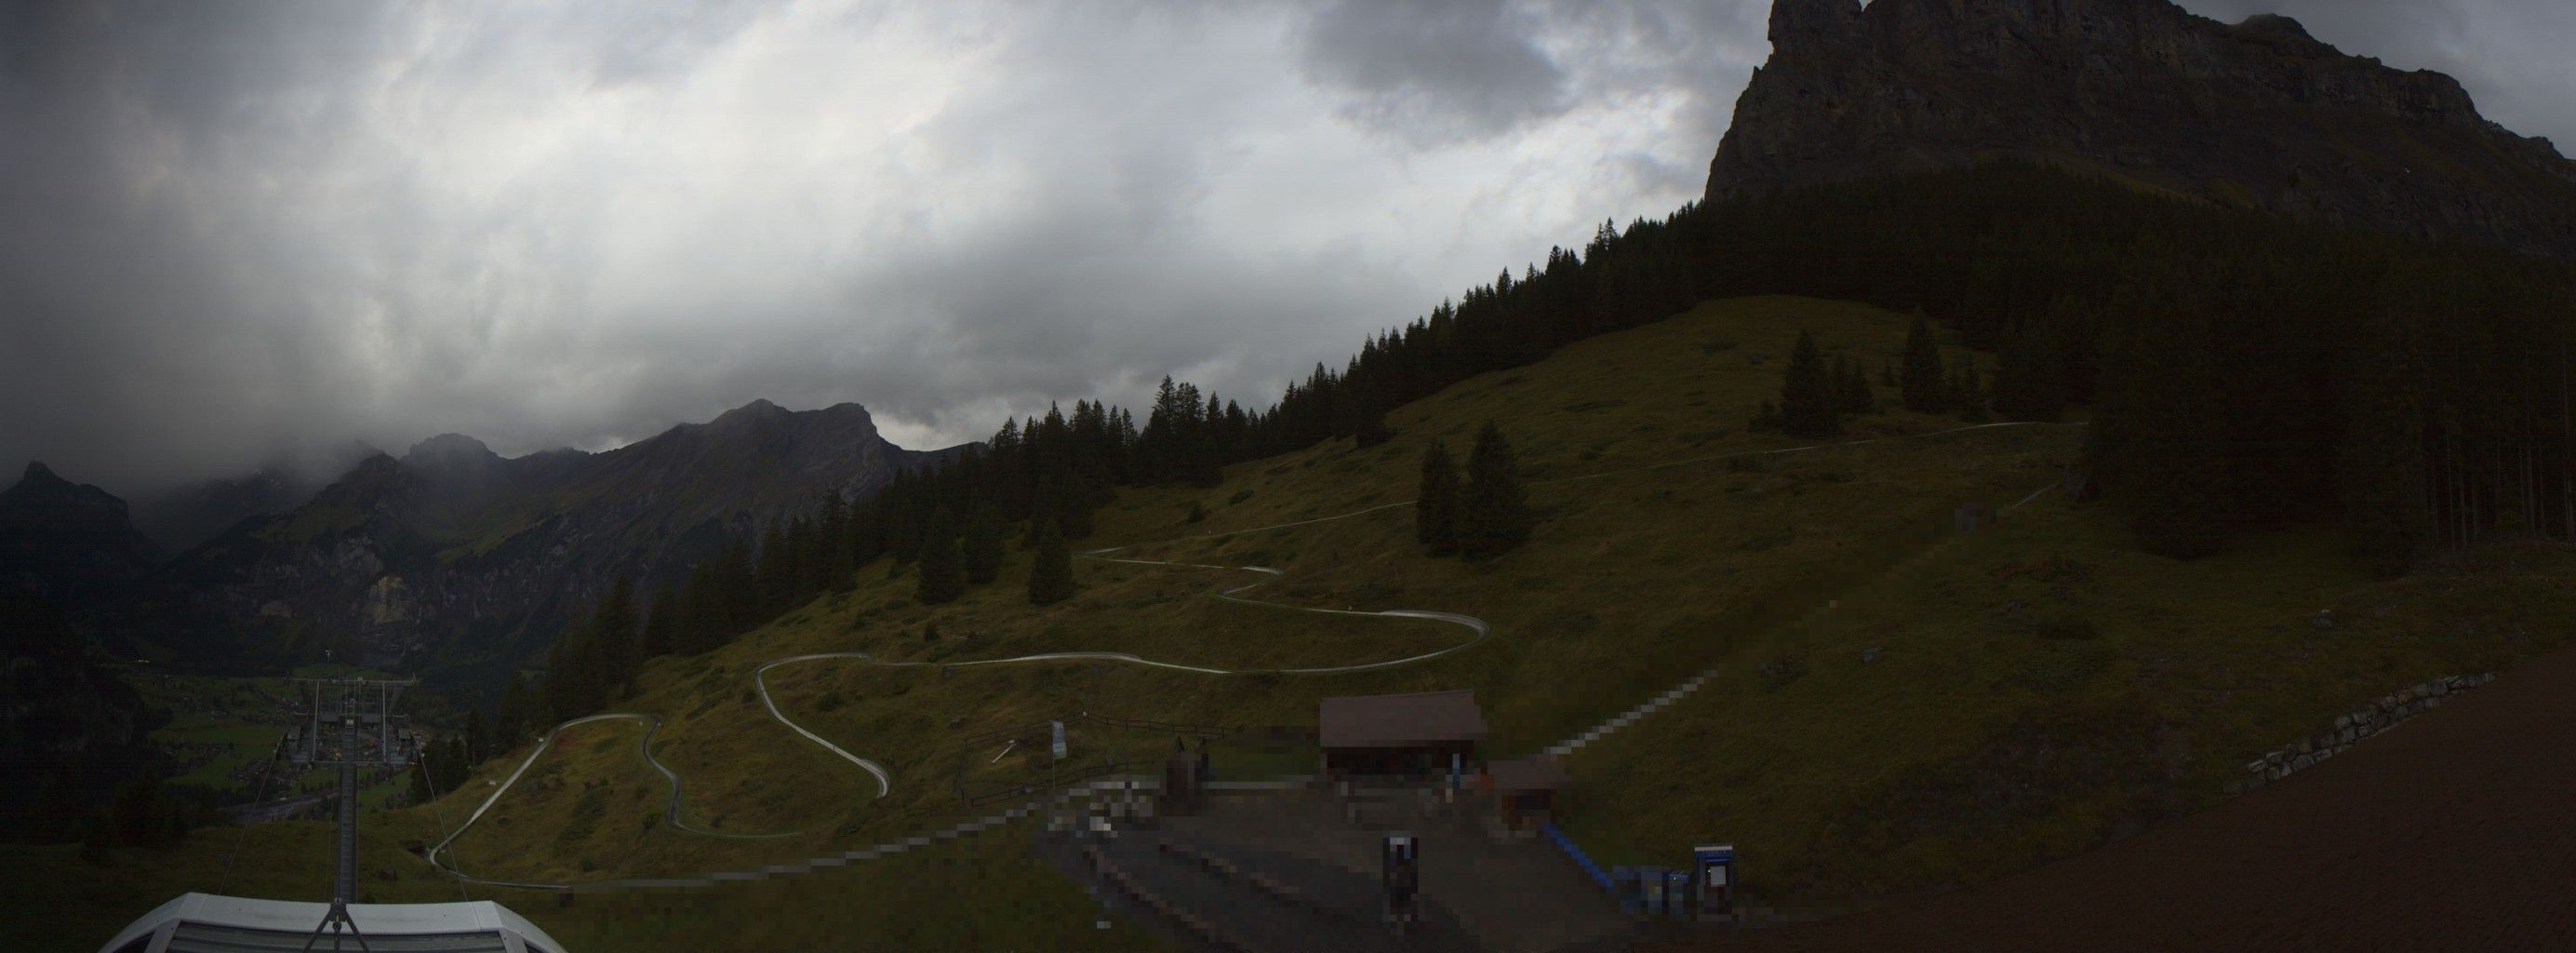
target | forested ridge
x=2245, y=373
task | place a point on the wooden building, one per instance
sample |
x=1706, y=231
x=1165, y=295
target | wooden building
x=1386, y=736
x=1524, y=790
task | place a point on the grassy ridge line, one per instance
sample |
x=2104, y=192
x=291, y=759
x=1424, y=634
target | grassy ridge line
x=883, y=778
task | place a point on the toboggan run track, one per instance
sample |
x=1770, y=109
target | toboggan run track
x=885, y=781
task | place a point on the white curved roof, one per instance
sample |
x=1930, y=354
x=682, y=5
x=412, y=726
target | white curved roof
x=205, y=921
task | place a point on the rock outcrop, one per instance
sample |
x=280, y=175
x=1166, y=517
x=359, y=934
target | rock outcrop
x=2256, y=114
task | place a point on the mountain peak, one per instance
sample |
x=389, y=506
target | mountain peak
x=759, y=408
x=1796, y=23
x=37, y=472
x=448, y=447
x=2256, y=113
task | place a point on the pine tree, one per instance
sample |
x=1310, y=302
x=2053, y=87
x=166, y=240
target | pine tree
x=1851, y=388
x=1493, y=513
x=1807, y=393
x=1051, y=574
x=983, y=543
x=943, y=566
x=1924, y=386
x=1435, y=510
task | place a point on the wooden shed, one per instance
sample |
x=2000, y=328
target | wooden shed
x=1524, y=789
x=1415, y=735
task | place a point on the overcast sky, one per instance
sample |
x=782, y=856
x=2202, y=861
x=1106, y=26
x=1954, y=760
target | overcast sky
x=229, y=230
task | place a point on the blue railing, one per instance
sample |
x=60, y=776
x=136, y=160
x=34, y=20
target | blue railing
x=1591, y=869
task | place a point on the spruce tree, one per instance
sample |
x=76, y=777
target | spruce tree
x=943, y=566
x=1435, y=510
x=983, y=544
x=1807, y=394
x=1051, y=573
x=1851, y=388
x=1925, y=387
x=1493, y=513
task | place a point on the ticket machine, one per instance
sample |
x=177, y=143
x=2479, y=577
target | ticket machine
x=1402, y=866
x=1715, y=864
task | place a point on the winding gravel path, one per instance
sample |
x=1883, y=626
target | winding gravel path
x=884, y=779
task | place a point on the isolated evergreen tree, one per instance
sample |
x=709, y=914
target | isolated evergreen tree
x=983, y=543
x=1051, y=574
x=943, y=566
x=1435, y=510
x=1925, y=387
x=1807, y=394
x=1493, y=512
x=1851, y=388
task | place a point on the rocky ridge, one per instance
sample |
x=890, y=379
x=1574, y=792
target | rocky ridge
x=2256, y=114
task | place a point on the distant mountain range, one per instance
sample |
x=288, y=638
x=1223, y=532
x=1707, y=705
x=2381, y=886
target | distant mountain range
x=452, y=556
x=2255, y=114
x=191, y=514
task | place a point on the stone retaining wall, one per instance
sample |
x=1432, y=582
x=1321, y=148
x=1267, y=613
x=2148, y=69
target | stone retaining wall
x=2380, y=715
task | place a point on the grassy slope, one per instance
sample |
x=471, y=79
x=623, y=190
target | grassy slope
x=1633, y=581
x=1974, y=745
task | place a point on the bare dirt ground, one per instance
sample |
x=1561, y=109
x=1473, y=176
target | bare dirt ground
x=2454, y=831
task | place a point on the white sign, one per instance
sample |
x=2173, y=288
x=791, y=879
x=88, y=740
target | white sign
x=1059, y=739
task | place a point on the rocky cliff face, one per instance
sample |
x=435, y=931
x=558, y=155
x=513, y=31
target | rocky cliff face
x=2257, y=113
x=69, y=543
x=455, y=556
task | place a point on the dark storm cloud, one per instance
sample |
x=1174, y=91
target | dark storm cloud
x=1433, y=69
x=232, y=232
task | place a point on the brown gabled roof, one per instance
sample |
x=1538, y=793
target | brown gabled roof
x=1535, y=773
x=1400, y=721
